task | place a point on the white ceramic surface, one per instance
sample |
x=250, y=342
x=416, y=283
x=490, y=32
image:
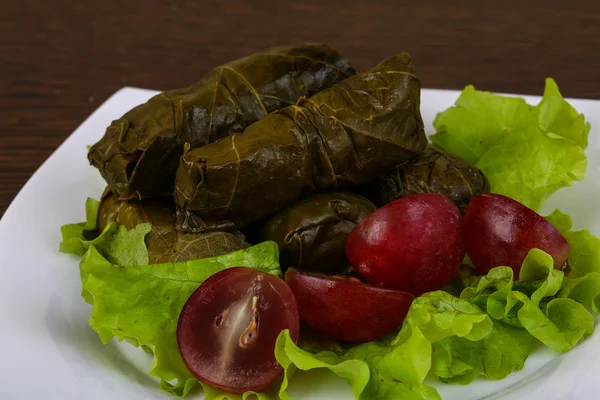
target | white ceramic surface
x=48, y=351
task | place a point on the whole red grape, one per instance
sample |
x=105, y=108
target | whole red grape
x=412, y=244
x=499, y=231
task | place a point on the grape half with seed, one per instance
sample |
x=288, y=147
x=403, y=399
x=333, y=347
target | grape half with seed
x=228, y=328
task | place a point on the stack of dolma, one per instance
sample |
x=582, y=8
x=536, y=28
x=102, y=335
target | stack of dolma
x=139, y=153
x=287, y=145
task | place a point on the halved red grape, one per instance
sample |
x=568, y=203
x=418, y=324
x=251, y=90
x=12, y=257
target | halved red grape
x=228, y=328
x=499, y=231
x=412, y=244
x=346, y=309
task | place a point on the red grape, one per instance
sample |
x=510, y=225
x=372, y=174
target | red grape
x=412, y=244
x=346, y=309
x=228, y=328
x=499, y=231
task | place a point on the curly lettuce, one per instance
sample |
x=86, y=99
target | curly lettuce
x=142, y=304
x=115, y=243
x=526, y=152
x=394, y=367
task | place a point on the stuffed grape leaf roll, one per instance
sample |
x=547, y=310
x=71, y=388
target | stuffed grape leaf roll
x=139, y=153
x=311, y=233
x=346, y=135
x=166, y=242
x=436, y=171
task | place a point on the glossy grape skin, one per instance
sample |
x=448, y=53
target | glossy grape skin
x=346, y=309
x=228, y=328
x=499, y=231
x=412, y=244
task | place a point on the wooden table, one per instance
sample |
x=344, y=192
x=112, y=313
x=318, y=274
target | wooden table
x=60, y=59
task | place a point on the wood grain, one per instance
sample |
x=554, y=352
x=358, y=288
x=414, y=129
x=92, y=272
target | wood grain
x=59, y=59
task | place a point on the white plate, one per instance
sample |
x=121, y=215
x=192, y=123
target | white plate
x=48, y=351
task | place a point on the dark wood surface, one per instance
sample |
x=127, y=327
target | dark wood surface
x=60, y=59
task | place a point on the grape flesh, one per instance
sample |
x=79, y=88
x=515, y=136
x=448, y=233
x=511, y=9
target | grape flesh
x=228, y=328
x=346, y=309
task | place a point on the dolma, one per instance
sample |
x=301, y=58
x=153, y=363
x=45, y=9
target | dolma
x=139, y=153
x=436, y=171
x=311, y=233
x=346, y=135
x=167, y=242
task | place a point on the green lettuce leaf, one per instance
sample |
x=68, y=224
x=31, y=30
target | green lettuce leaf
x=555, y=115
x=585, y=247
x=559, y=323
x=142, y=304
x=562, y=222
x=526, y=152
x=115, y=243
x=478, y=121
x=77, y=238
x=583, y=281
x=529, y=166
x=505, y=349
x=394, y=367
x=439, y=315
